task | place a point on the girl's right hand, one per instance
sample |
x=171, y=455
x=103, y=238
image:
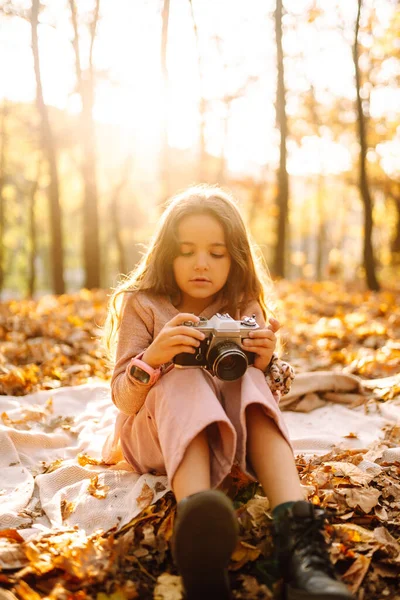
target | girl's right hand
x=173, y=338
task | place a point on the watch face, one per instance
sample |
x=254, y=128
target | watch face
x=140, y=374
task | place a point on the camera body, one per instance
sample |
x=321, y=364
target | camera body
x=221, y=351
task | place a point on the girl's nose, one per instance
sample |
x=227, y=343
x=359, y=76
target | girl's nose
x=201, y=262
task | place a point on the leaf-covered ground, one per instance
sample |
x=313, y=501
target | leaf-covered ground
x=55, y=342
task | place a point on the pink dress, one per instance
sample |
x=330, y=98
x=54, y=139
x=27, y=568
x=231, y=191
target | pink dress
x=155, y=424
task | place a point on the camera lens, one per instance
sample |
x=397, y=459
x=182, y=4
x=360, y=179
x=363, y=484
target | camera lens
x=227, y=361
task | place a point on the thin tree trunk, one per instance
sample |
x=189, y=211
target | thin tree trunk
x=3, y=151
x=282, y=198
x=91, y=241
x=222, y=159
x=395, y=245
x=321, y=237
x=115, y=216
x=256, y=203
x=32, y=235
x=49, y=148
x=368, y=251
x=202, y=104
x=19, y=248
x=308, y=229
x=321, y=226
x=165, y=153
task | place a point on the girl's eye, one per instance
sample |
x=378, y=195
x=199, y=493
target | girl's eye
x=190, y=253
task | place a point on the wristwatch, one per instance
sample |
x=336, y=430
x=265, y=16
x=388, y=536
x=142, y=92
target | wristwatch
x=142, y=372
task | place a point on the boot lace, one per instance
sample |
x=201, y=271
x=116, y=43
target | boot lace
x=310, y=544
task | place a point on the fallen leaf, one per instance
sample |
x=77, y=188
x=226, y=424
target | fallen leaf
x=96, y=489
x=85, y=459
x=12, y=555
x=356, y=572
x=251, y=589
x=67, y=508
x=168, y=587
x=382, y=535
x=259, y=510
x=145, y=497
x=242, y=554
x=351, y=533
x=365, y=498
x=56, y=464
x=11, y=534
x=349, y=472
x=25, y=592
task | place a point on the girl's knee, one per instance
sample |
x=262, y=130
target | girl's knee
x=193, y=378
x=186, y=388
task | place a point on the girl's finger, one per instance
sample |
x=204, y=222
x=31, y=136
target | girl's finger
x=274, y=324
x=262, y=334
x=182, y=318
x=184, y=340
x=189, y=331
x=186, y=349
x=259, y=345
x=263, y=352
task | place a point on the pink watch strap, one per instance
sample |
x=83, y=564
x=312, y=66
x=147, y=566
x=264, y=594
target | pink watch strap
x=154, y=374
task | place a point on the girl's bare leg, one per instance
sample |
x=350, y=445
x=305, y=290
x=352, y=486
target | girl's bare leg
x=193, y=474
x=271, y=458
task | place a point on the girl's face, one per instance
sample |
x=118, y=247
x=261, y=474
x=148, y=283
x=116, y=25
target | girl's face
x=203, y=263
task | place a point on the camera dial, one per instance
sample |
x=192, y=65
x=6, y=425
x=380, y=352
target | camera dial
x=249, y=321
x=193, y=324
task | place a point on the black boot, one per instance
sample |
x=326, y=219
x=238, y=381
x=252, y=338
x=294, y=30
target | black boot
x=205, y=535
x=303, y=555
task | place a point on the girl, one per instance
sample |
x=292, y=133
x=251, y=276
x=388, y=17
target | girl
x=191, y=425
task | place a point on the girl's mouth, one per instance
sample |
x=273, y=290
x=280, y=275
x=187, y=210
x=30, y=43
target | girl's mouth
x=200, y=280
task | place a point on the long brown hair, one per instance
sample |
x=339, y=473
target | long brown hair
x=248, y=277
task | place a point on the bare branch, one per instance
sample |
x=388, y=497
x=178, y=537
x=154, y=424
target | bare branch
x=93, y=27
x=75, y=43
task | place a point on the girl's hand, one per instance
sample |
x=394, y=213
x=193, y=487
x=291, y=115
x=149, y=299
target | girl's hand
x=262, y=342
x=173, y=338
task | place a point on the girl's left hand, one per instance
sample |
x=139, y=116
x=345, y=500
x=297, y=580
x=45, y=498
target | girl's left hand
x=262, y=342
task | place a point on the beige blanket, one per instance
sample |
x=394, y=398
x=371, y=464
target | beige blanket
x=47, y=438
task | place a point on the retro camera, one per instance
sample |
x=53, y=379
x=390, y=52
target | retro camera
x=220, y=352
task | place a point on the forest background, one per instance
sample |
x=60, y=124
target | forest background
x=108, y=108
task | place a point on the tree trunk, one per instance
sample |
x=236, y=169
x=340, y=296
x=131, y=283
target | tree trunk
x=221, y=173
x=368, y=251
x=3, y=151
x=395, y=245
x=201, y=173
x=116, y=231
x=320, y=213
x=282, y=197
x=85, y=80
x=49, y=149
x=164, y=154
x=32, y=236
x=115, y=214
x=321, y=237
x=256, y=202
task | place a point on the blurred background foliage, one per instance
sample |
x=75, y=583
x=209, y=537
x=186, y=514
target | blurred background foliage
x=108, y=108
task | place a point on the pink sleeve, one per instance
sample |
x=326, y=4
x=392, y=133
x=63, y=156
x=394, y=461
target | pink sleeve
x=134, y=336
